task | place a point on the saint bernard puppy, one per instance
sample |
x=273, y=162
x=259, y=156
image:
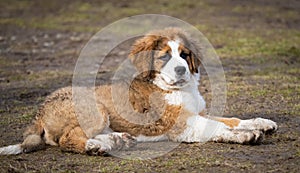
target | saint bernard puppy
x=164, y=96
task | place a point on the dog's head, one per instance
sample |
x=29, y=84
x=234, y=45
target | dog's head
x=168, y=57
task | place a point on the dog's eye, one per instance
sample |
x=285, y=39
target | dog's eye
x=166, y=57
x=184, y=55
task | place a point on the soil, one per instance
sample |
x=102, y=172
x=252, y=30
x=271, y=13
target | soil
x=37, y=59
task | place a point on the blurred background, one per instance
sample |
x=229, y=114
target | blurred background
x=258, y=42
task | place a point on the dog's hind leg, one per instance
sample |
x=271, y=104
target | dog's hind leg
x=73, y=140
x=33, y=137
x=32, y=143
x=33, y=140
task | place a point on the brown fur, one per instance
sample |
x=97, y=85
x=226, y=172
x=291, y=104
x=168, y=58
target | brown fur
x=73, y=139
x=59, y=124
x=151, y=120
x=231, y=122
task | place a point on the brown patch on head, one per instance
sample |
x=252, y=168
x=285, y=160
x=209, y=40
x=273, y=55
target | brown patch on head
x=190, y=57
x=143, y=52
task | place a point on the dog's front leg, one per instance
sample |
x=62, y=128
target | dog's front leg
x=262, y=124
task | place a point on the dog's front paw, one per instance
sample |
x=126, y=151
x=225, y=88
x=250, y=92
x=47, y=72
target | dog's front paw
x=103, y=143
x=265, y=125
x=129, y=140
x=123, y=140
x=96, y=148
x=240, y=136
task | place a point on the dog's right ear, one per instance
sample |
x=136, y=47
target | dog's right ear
x=142, y=55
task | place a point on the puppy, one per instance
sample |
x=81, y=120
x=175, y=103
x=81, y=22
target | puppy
x=162, y=102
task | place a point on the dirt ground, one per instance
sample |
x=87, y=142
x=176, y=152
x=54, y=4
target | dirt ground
x=258, y=43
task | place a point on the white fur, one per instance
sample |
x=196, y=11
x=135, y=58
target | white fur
x=174, y=98
x=239, y=136
x=188, y=96
x=99, y=144
x=103, y=142
x=11, y=149
x=174, y=45
x=111, y=141
x=142, y=138
x=257, y=124
x=192, y=101
x=200, y=129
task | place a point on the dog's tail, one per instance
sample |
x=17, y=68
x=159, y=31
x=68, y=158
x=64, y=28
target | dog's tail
x=11, y=150
x=33, y=141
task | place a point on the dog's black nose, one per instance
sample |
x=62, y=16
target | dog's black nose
x=180, y=70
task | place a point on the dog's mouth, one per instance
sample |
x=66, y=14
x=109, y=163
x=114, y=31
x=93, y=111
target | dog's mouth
x=177, y=84
x=180, y=82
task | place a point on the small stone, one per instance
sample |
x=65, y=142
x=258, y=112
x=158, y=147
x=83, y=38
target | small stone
x=46, y=36
x=58, y=36
x=34, y=51
x=48, y=44
x=75, y=39
x=13, y=38
x=34, y=39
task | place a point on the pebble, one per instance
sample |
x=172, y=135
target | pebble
x=34, y=39
x=48, y=44
x=58, y=36
x=13, y=38
x=75, y=39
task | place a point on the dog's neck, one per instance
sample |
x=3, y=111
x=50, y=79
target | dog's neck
x=189, y=97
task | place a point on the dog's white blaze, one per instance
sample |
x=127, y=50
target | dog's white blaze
x=168, y=71
x=200, y=129
x=174, y=45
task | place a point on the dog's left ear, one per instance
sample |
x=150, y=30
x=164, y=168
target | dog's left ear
x=142, y=55
x=195, y=57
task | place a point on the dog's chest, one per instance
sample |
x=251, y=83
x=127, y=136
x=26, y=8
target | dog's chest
x=191, y=101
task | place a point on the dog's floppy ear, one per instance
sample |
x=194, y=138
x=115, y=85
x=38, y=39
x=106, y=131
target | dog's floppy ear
x=142, y=55
x=195, y=57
